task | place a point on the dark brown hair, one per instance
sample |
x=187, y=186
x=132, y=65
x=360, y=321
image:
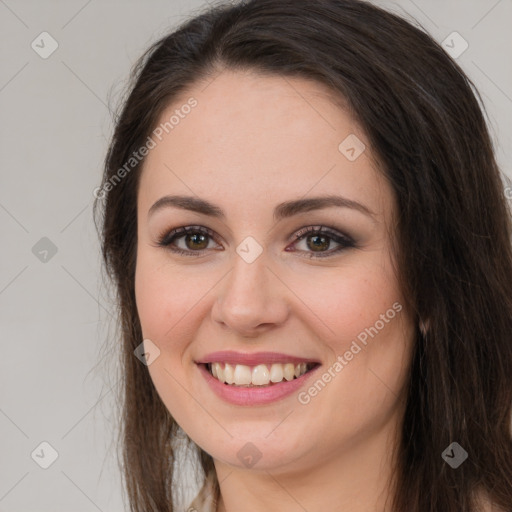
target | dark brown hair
x=454, y=256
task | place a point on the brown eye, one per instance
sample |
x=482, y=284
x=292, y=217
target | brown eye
x=318, y=239
x=318, y=242
x=195, y=240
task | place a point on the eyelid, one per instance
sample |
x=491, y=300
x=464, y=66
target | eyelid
x=337, y=233
x=167, y=235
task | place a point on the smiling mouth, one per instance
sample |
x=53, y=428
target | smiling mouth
x=261, y=375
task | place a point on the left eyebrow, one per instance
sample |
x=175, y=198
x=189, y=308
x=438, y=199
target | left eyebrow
x=281, y=211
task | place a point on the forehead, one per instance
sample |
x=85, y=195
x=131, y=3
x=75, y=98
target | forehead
x=262, y=138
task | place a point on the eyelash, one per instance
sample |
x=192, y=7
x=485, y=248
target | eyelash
x=345, y=241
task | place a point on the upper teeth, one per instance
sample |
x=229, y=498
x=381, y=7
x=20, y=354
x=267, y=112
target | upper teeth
x=260, y=375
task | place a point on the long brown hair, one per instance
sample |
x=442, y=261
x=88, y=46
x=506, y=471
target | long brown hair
x=454, y=256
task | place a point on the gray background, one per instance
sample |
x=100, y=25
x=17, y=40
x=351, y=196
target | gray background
x=56, y=384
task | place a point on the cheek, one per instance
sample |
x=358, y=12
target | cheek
x=154, y=304
x=163, y=296
x=165, y=307
x=370, y=339
x=172, y=303
x=351, y=298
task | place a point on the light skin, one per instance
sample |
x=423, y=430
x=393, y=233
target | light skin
x=251, y=143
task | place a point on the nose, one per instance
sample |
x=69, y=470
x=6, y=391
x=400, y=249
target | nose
x=252, y=299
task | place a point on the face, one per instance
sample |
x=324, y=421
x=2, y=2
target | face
x=248, y=277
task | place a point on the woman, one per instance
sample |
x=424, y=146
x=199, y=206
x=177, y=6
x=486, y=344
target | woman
x=307, y=229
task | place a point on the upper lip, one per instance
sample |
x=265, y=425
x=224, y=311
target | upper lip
x=252, y=359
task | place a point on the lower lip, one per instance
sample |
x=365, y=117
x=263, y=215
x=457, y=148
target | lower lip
x=254, y=396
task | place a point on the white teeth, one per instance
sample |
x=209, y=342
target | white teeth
x=219, y=371
x=289, y=371
x=242, y=375
x=276, y=373
x=260, y=375
x=229, y=374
